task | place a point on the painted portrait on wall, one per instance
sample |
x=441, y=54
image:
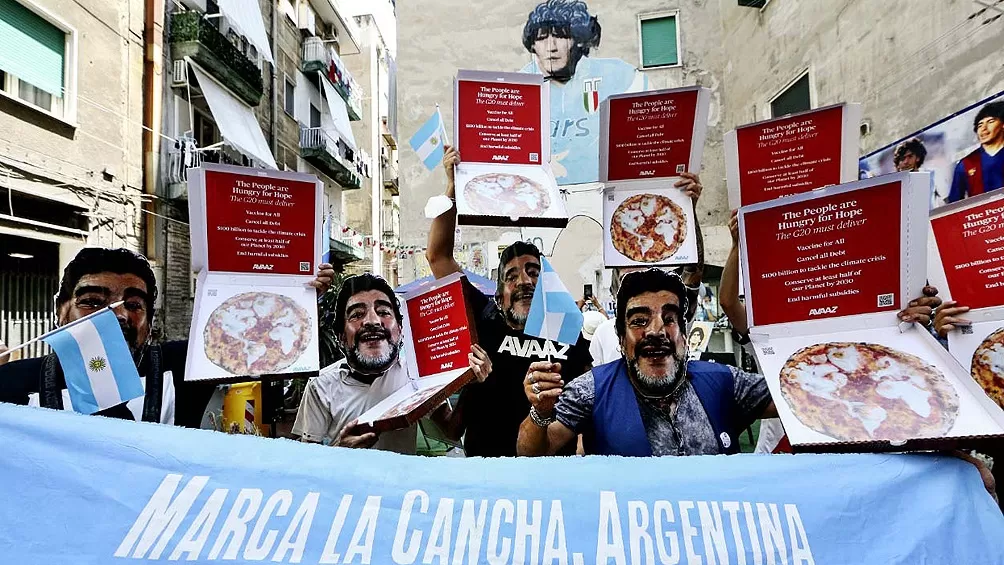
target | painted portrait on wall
x=560, y=36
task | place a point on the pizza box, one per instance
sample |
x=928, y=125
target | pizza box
x=438, y=334
x=979, y=348
x=826, y=274
x=648, y=224
x=256, y=243
x=656, y=134
x=792, y=154
x=502, y=130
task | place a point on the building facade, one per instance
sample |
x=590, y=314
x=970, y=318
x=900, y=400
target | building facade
x=71, y=147
x=270, y=88
x=907, y=62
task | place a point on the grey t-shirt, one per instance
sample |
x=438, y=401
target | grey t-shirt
x=676, y=426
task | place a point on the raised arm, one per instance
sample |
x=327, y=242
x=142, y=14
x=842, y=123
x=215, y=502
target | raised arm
x=443, y=230
x=540, y=434
x=728, y=293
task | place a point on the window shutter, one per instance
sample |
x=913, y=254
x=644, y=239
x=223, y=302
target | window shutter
x=795, y=99
x=31, y=48
x=658, y=42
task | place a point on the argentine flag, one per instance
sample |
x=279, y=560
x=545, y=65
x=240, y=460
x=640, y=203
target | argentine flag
x=429, y=141
x=98, y=367
x=554, y=314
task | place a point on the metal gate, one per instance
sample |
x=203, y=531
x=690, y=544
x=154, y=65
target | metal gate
x=26, y=310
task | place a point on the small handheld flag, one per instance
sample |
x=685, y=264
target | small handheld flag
x=554, y=314
x=97, y=365
x=429, y=140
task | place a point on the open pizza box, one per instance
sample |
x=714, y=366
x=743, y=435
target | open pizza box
x=646, y=140
x=792, y=154
x=256, y=241
x=826, y=274
x=438, y=333
x=967, y=265
x=502, y=130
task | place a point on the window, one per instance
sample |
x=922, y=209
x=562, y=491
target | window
x=315, y=117
x=289, y=97
x=36, y=56
x=660, y=42
x=793, y=99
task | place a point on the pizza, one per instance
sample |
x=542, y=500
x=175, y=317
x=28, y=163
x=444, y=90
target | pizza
x=257, y=333
x=988, y=366
x=504, y=194
x=412, y=402
x=867, y=392
x=648, y=228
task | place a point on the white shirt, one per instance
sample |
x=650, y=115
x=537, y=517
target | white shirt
x=135, y=405
x=605, y=346
x=333, y=399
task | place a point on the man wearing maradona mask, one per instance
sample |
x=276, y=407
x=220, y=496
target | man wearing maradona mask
x=368, y=321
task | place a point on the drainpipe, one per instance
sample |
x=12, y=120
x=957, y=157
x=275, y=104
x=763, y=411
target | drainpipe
x=275, y=78
x=376, y=170
x=153, y=57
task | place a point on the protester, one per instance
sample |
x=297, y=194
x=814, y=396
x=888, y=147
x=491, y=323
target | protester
x=983, y=169
x=651, y=401
x=368, y=322
x=591, y=320
x=94, y=279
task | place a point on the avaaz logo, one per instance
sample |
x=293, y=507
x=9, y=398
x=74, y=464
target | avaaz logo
x=821, y=311
x=263, y=267
x=500, y=157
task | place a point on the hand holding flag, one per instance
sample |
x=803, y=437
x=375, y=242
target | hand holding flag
x=553, y=314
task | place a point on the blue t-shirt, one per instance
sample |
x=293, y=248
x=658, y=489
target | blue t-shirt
x=993, y=175
x=575, y=124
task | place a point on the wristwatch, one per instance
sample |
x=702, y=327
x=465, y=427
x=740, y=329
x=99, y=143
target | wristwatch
x=540, y=420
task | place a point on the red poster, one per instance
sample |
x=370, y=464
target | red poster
x=832, y=256
x=440, y=329
x=499, y=122
x=789, y=156
x=259, y=224
x=651, y=136
x=971, y=244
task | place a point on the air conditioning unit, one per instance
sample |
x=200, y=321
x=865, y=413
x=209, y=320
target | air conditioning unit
x=307, y=20
x=179, y=73
x=329, y=32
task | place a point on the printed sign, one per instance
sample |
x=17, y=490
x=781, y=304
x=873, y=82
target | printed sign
x=824, y=257
x=499, y=122
x=648, y=226
x=792, y=155
x=653, y=135
x=260, y=224
x=970, y=242
x=440, y=331
x=160, y=494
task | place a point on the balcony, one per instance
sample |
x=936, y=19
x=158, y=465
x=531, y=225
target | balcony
x=194, y=36
x=187, y=155
x=389, y=173
x=321, y=150
x=317, y=57
x=388, y=135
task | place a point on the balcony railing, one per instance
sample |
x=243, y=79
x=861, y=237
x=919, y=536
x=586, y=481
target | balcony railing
x=323, y=151
x=187, y=155
x=192, y=35
x=317, y=56
x=389, y=173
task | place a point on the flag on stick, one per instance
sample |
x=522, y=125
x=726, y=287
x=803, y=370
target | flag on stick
x=554, y=314
x=429, y=140
x=96, y=361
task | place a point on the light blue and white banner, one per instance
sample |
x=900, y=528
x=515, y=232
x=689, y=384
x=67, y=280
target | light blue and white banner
x=89, y=490
x=97, y=365
x=429, y=140
x=553, y=312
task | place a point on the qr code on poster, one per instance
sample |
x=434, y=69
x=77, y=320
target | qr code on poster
x=211, y=292
x=767, y=350
x=304, y=266
x=886, y=300
x=966, y=330
x=681, y=169
x=610, y=198
x=534, y=157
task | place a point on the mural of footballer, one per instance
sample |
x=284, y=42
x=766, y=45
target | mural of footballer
x=559, y=34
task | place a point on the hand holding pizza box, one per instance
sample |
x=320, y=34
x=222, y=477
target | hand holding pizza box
x=502, y=132
x=438, y=333
x=968, y=267
x=647, y=140
x=256, y=242
x=792, y=154
x=826, y=273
